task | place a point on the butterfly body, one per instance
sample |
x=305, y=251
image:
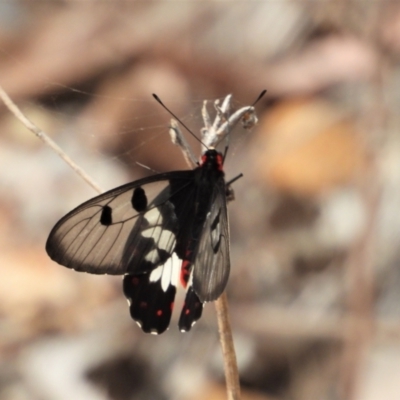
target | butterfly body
x=156, y=238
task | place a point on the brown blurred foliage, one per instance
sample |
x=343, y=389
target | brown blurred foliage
x=314, y=288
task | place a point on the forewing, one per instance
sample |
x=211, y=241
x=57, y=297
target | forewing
x=211, y=263
x=131, y=228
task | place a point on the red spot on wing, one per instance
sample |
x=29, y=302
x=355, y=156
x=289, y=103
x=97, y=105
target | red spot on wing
x=185, y=272
x=191, y=310
x=149, y=304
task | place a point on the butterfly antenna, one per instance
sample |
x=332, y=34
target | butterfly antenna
x=147, y=167
x=225, y=153
x=178, y=119
x=260, y=96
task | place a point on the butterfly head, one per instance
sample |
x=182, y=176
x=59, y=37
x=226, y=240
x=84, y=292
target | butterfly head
x=212, y=159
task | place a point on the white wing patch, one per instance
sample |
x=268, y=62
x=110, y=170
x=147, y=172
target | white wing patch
x=165, y=239
x=168, y=273
x=153, y=256
x=153, y=216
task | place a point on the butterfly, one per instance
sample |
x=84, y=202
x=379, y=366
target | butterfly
x=158, y=231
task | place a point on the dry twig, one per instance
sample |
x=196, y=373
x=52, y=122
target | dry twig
x=47, y=140
x=212, y=134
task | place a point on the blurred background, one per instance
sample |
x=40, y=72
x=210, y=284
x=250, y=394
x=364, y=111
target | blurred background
x=314, y=290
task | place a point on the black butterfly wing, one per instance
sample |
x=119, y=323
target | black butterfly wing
x=212, y=260
x=207, y=269
x=191, y=310
x=121, y=230
x=151, y=295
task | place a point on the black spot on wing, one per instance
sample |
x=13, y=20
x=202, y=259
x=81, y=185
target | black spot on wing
x=139, y=199
x=150, y=306
x=191, y=311
x=106, y=216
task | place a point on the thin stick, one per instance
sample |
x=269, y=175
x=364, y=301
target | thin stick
x=225, y=331
x=228, y=348
x=46, y=139
x=178, y=139
x=226, y=339
x=212, y=134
